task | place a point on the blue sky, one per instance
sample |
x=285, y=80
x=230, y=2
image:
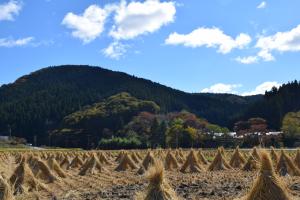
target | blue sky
x=232, y=46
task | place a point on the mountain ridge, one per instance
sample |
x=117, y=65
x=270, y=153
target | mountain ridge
x=37, y=102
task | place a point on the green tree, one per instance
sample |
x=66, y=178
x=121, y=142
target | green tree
x=291, y=124
x=163, y=129
x=217, y=129
x=173, y=133
x=191, y=135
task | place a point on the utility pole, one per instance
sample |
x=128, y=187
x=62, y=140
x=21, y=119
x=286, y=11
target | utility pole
x=49, y=139
x=67, y=142
x=9, y=131
x=47, y=127
x=177, y=139
x=35, y=140
x=88, y=141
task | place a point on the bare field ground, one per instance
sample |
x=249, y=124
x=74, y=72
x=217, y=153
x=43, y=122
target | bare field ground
x=105, y=182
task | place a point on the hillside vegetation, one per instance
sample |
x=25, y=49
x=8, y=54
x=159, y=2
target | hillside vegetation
x=75, y=98
x=103, y=119
x=275, y=104
x=37, y=103
x=123, y=121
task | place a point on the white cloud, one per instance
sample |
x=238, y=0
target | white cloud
x=9, y=10
x=262, y=88
x=130, y=19
x=281, y=42
x=89, y=25
x=9, y=42
x=138, y=18
x=247, y=60
x=262, y=5
x=222, y=88
x=288, y=41
x=115, y=50
x=265, y=55
x=231, y=88
x=211, y=38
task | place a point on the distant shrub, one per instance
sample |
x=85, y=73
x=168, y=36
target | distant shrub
x=120, y=143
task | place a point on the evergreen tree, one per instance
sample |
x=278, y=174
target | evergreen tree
x=155, y=133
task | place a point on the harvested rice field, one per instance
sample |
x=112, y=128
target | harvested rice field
x=257, y=174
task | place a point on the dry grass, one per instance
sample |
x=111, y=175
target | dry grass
x=126, y=164
x=76, y=163
x=46, y=175
x=179, y=157
x=255, y=154
x=147, y=162
x=274, y=155
x=42, y=171
x=202, y=158
x=237, y=160
x=23, y=180
x=251, y=164
x=135, y=158
x=268, y=185
x=54, y=166
x=120, y=156
x=65, y=163
x=171, y=162
x=297, y=158
x=158, y=188
x=103, y=159
x=219, y=162
x=191, y=164
x=5, y=190
x=286, y=166
x=92, y=166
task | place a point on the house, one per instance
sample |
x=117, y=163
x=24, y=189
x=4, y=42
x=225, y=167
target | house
x=4, y=138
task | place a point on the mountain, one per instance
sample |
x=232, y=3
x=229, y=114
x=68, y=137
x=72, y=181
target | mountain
x=37, y=103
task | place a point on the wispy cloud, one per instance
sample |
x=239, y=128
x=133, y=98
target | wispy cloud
x=10, y=42
x=247, y=60
x=115, y=50
x=210, y=38
x=262, y=5
x=9, y=10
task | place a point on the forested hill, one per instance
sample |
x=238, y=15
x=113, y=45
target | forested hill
x=37, y=103
x=275, y=104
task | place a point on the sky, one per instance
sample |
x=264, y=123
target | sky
x=220, y=46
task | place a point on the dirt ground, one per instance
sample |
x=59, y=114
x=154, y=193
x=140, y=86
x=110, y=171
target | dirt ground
x=113, y=185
